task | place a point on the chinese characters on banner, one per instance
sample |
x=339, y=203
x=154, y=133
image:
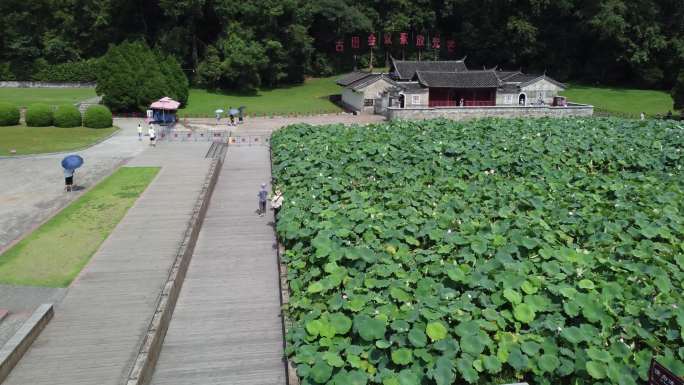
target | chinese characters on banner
x=371, y=40
x=660, y=375
x=403, y=38
x=420, y=43
x=355, y=42
x=451, y=46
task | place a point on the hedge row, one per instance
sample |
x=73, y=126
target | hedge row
x=9, y=115
x=98, y=117
x=42, y=115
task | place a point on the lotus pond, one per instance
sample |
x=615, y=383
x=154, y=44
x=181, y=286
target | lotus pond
x=488, y=252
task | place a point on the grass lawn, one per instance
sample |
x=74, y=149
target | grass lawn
x=23, y=97
x=621, y=101
x=55, y=253
x=310, y=97
x=36, y=140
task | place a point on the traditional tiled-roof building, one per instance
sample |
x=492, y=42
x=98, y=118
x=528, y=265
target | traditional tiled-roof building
x=412, y=84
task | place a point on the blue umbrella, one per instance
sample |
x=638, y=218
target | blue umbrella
x=72, y=162
x=233, y=111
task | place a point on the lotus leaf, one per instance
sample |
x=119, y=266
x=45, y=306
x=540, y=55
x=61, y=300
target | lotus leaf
x=436, y=331
x=504, y=248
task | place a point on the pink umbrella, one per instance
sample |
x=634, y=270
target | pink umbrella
x=165, y=103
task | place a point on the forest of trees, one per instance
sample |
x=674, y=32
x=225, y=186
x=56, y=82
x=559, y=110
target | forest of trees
x=227, y=43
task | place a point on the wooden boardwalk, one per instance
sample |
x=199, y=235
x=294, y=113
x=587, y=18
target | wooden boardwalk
x=95, y=334
x=226, y=328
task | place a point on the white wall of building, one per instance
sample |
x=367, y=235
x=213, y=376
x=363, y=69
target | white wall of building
x=506, y=99
x=416, y=98
x=542, y=87
x=352, y=99
x=356, y=99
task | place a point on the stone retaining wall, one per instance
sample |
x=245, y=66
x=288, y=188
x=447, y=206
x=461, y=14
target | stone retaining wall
x=465, y=113
x=18, y=84
x=14, y=349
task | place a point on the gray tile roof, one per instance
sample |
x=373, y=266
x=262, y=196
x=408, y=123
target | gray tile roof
x=468, y=79
x=510, y=88
x=544, y=77
x=368, y=80
x=412, y=86
x=520, y=77
x=360, y=80
x=406, y=69
x=504, y=75
x=352, y=77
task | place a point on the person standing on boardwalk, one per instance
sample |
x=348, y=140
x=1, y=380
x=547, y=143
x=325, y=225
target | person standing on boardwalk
x=263, y=197
x=153, y=135
x=139, y=131
x=276, y=202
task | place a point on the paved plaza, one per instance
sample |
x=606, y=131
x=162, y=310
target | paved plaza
x=33, y=186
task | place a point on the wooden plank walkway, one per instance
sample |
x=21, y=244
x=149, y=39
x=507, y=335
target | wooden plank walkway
x=226, y=328
x=95, y=334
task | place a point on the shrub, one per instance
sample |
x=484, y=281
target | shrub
x=98, y=117
x=68, y=116
x=131, y=76
x=9, y=115
x=77, y=71
x=39, y=115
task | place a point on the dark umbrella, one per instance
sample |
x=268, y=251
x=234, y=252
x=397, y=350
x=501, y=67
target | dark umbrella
x=72, y=162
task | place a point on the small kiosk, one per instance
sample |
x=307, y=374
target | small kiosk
x=163, y=111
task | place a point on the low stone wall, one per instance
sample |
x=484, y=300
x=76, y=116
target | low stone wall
x=148, y=355
x=465, y=113
x=14, y=349
x=17, y=84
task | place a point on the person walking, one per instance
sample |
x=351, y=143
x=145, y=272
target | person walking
x=153, y=135
x=232, y=116
x=139, y=132
x=263, y=197
x=68, y=179
x=643, y=116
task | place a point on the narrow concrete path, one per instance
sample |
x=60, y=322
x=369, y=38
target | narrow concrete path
x=226, y=328
x=95, y=334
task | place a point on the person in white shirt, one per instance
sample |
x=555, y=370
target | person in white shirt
x=276, y=201
x=152, y=134
x=139, y=131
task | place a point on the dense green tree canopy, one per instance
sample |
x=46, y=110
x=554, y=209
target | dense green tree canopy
x=268, y=42
x=131, y=75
